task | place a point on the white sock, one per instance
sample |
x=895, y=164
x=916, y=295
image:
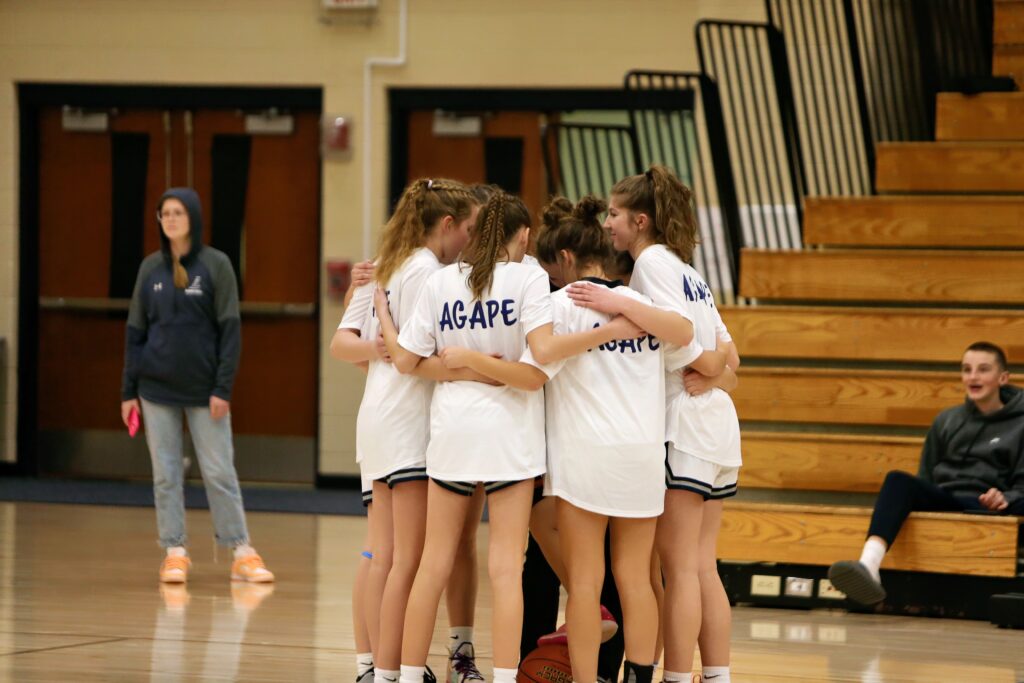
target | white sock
x=244, y=551
x=177, y=551
x=412, y=674
x=872, y=556
x=364, y=662
x=384, y=676
x=504, y=675
x=676, y=677
x=459, y=635
x=718, y=674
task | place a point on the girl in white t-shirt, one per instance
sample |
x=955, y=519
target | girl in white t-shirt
x=480, y=310
x=651, y=216
x=605, y=442
x=430, y=226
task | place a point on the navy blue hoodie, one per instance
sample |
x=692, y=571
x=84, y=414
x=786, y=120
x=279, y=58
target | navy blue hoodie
x=182, y=345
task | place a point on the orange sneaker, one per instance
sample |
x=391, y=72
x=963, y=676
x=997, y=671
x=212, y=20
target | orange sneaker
x=251, y=568
x=175, y=569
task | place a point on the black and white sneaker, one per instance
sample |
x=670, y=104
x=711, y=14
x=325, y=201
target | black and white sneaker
x=856, y=580
x=462, y=667
x=366, y=677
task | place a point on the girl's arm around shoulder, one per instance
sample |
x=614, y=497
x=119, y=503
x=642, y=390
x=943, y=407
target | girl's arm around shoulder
x=511, y=373
x=667, y=325
x=548, y=347
x=405, y=361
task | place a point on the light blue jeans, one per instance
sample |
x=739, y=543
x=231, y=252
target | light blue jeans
x=216, y=454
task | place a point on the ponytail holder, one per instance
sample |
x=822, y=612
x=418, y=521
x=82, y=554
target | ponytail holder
x=430, y=184
x=650, y=176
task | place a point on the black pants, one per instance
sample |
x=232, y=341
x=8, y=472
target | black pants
x=540, y=608
x=904, y=493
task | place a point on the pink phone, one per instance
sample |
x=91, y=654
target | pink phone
x=133, y=422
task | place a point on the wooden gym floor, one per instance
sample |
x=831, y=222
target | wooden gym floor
x=80, y=601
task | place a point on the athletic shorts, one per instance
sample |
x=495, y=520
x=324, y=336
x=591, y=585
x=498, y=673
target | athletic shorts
x=685, y=472
x=468, y=488
x=366, y=486
x=402, y=476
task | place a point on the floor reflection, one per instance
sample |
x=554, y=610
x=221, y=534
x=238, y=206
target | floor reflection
x=171, y=658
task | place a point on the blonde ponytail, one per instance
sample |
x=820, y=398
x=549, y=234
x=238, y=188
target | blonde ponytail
x=180, y=274
x=421, y=206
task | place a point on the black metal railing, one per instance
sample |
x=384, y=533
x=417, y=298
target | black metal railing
x=748, y=62
x=585, y=158
x=690, y=139
x=823, y=59
x=867, y=71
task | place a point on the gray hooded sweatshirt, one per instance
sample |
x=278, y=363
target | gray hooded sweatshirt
x=967, y=453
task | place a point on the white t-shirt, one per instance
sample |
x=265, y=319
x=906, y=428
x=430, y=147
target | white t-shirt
x=605, y=418
x=393, y=425
x=480, y=432
x=704, y=426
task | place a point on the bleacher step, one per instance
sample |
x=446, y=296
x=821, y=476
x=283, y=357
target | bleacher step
x=870, y=334
x=948, y=543
x=915, y=221
x=825, y=462
x=844, y=397
x=869, y=275
x=952, y=167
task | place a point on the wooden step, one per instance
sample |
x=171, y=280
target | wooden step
x=825, y=462
x=993, y=277
x=872, y=334
x=1008, y=60
x=945, y=543
x=986, y=116
x=1008, y=23
x=954, y=167
x=845, y=397
x=915, y=221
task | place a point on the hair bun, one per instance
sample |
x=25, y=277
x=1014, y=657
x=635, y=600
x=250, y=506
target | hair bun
x=558, y=209
x=589, y=208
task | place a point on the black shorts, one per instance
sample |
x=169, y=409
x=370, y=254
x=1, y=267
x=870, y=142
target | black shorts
x=468, y=488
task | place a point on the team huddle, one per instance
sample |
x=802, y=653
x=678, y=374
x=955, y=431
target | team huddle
x=583, y=409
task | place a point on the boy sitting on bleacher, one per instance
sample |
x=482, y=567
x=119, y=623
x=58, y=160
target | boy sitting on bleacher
x=973, y=460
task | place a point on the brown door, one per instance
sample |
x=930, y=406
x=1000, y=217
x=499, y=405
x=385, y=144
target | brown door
x=98, y=194
x=507, y=152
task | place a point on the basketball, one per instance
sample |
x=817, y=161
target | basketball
x=546, y=664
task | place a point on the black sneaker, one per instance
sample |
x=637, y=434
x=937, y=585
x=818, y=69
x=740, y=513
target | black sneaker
x=854, y=579
x=428, y=676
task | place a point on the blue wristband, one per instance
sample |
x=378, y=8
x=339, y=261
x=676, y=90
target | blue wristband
x=367, y=554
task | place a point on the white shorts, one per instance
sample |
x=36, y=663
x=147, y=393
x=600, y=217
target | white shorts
x=685, y=472
x=623, y=481
x=366, y=485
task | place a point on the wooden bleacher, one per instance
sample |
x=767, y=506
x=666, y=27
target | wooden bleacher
x=851, y=348
x=866, y=275
x=912, y=335
x=915, y=221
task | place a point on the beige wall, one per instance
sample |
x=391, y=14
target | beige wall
x=283, y=42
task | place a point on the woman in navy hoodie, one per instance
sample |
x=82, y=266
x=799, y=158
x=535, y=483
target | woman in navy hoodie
x=181, y=353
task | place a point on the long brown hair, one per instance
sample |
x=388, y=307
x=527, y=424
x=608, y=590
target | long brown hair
x=421, y=206
x=497, y=223
x=577, y=230
x=669, y=205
